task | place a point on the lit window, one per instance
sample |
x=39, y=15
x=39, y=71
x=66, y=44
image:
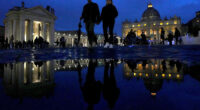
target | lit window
x=175, y=22
x=138, y=25
x=161, y=24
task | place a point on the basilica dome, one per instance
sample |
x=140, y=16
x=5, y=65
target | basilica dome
x=150, y=14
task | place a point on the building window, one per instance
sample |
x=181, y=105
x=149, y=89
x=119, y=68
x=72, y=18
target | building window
x=175, y=22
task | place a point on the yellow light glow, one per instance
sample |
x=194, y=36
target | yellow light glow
x=153, y=94
x=163, y=75
x=154, y=24
x=178, y=76
x=156, y=75
x=150, y=6
x=139, y=25
x=175, y=22
x=161, y=24
x=145, y=24
x=167, y=23
x=147, y=75
x=197, y=21
x=170, y=75
x=133, y=25
x=135, y=74
x=140, y=74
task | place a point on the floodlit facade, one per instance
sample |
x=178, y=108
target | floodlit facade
x=151, y=24
x=28, y=23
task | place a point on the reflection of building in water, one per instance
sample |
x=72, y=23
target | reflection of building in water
x=29, y=79
x=153, y=72
x=151, y=24
x=73, y=64
x=28, y=23
x=71, y=38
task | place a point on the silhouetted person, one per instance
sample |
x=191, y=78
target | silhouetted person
x=162, y=36
x=110, y=90
x=91, y=89
x=90, y=15
x=108, y=15
x=178, y=66
x=144, y=40
x=164, y=67
x=170, y=38
x=12, y=41
x=62, y=42
x=177, y=35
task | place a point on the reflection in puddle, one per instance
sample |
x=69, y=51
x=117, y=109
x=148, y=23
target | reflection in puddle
x=37, y=79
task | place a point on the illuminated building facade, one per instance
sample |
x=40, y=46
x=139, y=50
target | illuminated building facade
x=151, y=24
x=28, y=23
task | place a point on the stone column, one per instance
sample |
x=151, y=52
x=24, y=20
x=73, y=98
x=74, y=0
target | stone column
x=14, y=30
x=22, y=29
x=51, y=33
x=31, y=30
x=44, y=31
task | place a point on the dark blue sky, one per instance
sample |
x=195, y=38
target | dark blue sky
x=68, y=11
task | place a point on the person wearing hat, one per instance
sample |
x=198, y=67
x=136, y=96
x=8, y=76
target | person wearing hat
x=108, y=15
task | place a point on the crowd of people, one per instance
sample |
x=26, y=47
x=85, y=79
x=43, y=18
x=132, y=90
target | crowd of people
x=39, y=42
x=131, y=38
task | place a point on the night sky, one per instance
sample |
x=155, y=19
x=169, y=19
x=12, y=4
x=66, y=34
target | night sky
x=68, y=12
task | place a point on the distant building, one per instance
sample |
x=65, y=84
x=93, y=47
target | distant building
x=2, y=32
x=151, y=24
x=72, y=36
x=194, y=25
x=28, y=23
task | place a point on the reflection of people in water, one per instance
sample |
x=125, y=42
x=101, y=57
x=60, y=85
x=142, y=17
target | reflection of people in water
x=91, y=89
x=110, y=90
x=153, y=85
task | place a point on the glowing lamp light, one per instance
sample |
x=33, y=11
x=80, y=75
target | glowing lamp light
x=139, y=25
x=156, y=75
x=163, y=75
x=147, y=75
x=134, y=74
x=33, y=69
x=145, y=24
x=161, y=24
x=140, y=74
x=178, y=76
x=167, y=23
x=170, y=75
x=154, y=24
x=153, y=94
